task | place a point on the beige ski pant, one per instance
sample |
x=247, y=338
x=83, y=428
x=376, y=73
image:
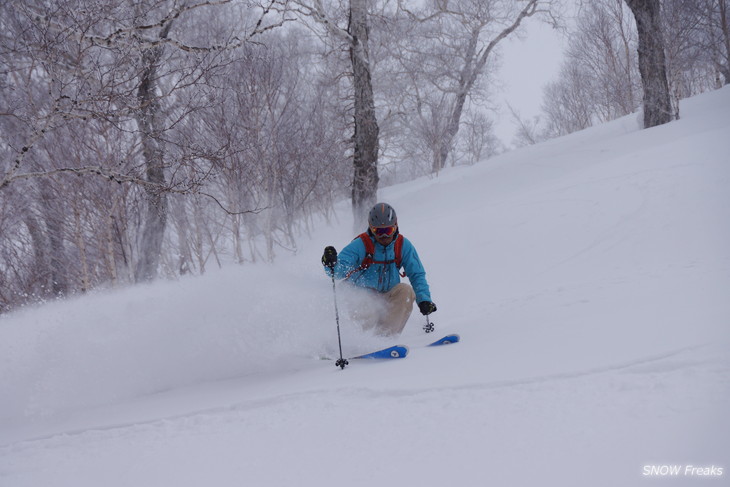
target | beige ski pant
x=386, y=313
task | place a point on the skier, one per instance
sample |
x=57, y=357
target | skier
x=372, y=261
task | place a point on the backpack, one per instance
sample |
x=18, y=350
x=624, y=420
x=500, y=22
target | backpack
x=370, y=252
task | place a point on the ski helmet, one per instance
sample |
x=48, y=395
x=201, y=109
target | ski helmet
x=382, y=215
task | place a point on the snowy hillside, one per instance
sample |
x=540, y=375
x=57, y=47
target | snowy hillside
x=589, y=278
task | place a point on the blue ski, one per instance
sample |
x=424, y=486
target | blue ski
x=397, y=351
x=401, y=351
x=448, y=339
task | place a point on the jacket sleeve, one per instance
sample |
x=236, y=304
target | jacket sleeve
x=348, y=259
x=415, y=271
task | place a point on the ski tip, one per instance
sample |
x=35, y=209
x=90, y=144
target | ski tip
x=447, y=340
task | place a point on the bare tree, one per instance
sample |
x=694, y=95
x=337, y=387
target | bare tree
x=355, y=38
x=365, y=156
x=721, y=53
x=568, y=102
x=458, y=41
x=150, y=123
x=528, y=131
x=94, y=96
x=477, y=139
x=598, y=80
x=604, y=50
x=712, y=33
x=652, y=63
x=690, y=69
x=118, y=63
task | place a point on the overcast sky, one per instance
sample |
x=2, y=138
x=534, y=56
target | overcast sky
x=527, y=65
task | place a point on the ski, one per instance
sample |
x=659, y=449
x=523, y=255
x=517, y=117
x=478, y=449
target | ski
x=397, y=351
x=401, y=351
x=447, y=340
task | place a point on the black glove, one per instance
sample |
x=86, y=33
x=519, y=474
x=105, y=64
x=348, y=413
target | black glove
x=426, y=307
x=329, y=258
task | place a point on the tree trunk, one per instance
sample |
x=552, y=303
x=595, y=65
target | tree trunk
x=110, y=258
x=149, y=122
x=652, y=63
x=467, y=77
x=53, y=216
x=81, y=246
x=182, y=226
x=447, y=142
x=39, y=274
x=365, y=161
x=724, y=64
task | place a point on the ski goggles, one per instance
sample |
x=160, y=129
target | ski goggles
x=384, y=231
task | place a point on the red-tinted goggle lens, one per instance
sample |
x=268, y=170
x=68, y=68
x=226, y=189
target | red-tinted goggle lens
x=383, y=231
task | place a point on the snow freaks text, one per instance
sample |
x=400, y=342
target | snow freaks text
x=682, y=471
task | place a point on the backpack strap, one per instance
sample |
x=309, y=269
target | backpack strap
x=399, y=254
x=370, y=253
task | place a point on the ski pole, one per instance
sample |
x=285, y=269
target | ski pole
x=341, y=362
x=429, y=326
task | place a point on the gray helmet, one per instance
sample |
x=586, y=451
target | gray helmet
x=382, y=215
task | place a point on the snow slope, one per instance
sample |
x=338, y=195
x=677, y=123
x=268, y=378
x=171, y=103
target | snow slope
x=589, y=277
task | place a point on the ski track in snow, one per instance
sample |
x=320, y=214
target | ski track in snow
x=472, y=418
x=659, y=364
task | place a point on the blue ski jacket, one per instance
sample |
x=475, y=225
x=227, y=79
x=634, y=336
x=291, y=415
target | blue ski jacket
x=382, y=277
